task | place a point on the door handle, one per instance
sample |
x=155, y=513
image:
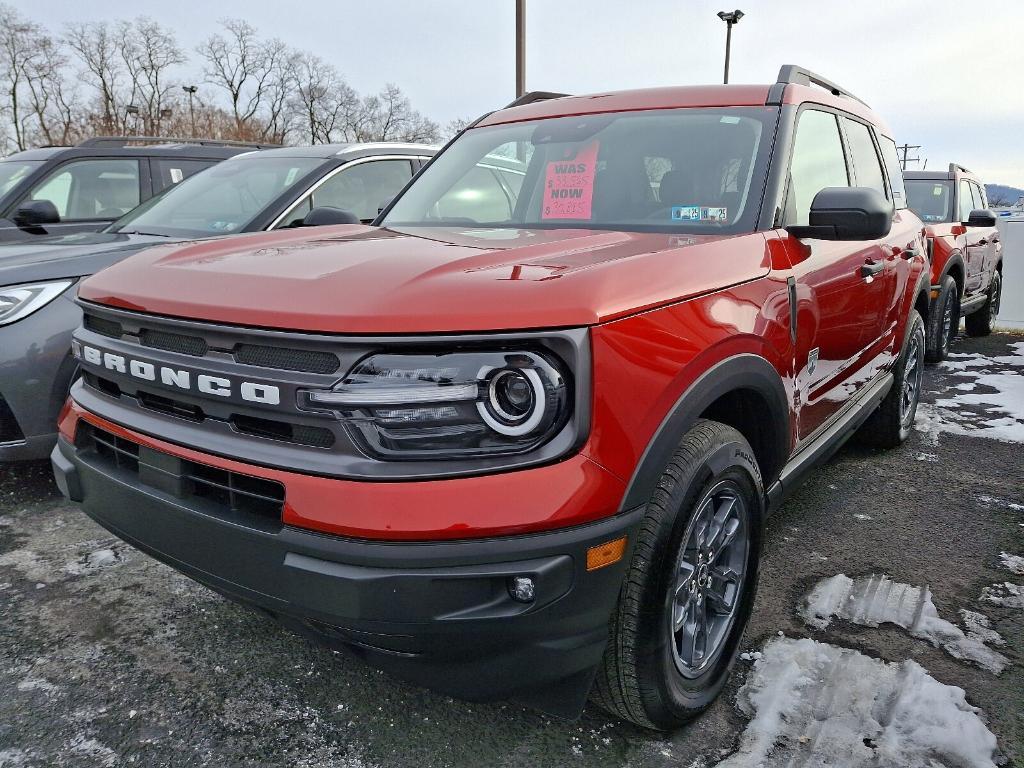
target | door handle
x=870, y=269
x=909, y=252
x=983, y=242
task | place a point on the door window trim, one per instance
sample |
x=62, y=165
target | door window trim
x=813, y=107
x=331, y=174
x=143, y=179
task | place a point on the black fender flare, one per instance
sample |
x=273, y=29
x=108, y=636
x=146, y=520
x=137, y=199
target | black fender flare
x=956, y=258
x=744, y=371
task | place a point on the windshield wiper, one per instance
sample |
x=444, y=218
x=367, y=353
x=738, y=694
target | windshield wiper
x=138, y=232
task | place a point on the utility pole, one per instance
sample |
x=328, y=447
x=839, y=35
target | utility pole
x=730, y=18
x=520, y=47
x=904, y=150
x=191, y=91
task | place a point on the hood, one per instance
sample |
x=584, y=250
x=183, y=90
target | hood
x=48, y=257
x=360, y=279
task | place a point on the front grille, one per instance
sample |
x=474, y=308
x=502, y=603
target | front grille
x=240, y=498
x=303, y=434
x=286, y=359
x=103, y=326
x=10, y=432
x=174, y=342
x=169, y=406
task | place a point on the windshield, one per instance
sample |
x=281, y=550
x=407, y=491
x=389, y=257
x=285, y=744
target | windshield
x=221, y=200
x=693, y=170
x=931, y=200
x=13, y=171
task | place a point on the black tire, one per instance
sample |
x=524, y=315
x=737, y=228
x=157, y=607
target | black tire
x=982, y=321
x=640, y=678
x=944, y=321
x=890, y=425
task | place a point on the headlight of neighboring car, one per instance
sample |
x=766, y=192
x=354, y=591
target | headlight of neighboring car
x=20, y=301
x=456, y=405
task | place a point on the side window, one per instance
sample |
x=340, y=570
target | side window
x=894, y=170
x=818, y=162
x=866, y=165
x=966, y=201
x=91, y=189
x=363, y=188
x=169, y=171
x=980, y=198
x=477, y=196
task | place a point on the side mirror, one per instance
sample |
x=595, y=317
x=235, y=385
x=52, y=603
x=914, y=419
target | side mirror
x=36, y=213
x=320, y=217
x=847, y=213
x=981, y=218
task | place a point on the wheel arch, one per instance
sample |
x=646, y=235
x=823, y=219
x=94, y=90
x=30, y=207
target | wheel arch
x=745, y=392
x=954, y=267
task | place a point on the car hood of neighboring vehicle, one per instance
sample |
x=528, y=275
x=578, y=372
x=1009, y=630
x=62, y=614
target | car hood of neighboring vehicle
x=54, y=257
x=361, y=279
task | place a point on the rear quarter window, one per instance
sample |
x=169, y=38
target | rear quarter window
x=894, y=171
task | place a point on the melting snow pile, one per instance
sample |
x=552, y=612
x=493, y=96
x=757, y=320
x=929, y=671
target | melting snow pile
x=816, y=704
x=1006, y=594
x=873, y=600
x=998, y=415
x=1015, y=563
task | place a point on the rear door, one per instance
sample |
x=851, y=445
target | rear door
x=840, y=286
x=989, y=240
x=976, y=239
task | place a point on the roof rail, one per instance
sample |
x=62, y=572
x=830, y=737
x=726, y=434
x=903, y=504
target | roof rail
x=797, y=75
x=954, y=167
x=532, y=96
x=123, y=141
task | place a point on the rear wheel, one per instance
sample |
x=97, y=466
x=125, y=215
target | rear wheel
x=690, y=587
x=981, y=322
x=890, y=425
x=944, y=322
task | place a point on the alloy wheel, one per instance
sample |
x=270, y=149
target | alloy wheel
x=912, y=373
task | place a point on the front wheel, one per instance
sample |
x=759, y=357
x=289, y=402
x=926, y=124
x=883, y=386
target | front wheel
x=890, y=425
x=983, y=321
x=690, y=587
x=944, y=321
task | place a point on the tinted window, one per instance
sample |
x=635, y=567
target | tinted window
x=894, y=170
x=363, y=188
x=866, y=165
x=818, y=162
x=224, y=199
x=13, y=171
x=966, y=201
x=932, y=201
x=91, y=189
x=169, y=172
x=695, y=170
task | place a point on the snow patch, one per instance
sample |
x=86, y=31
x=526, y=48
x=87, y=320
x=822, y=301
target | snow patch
x=816, y=704
x=96, y=751
x=1006, y=595
x=1015, y=563
x=930, y=457
x=873, y=600
x=93, y=561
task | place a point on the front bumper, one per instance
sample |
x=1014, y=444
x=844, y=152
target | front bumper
x=436, y=613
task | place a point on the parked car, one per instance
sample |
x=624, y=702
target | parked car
x=966, y=255
x=273, y=189
x=522, y=449
x=63, y=190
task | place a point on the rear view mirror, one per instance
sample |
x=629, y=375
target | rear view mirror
x=36, y=213
x=981, y=218
x=847, y=213
x=320, y=217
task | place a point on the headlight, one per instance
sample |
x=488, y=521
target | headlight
x=19, y=301
x=463, y=404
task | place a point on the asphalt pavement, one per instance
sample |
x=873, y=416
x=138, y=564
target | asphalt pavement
x=108, y=658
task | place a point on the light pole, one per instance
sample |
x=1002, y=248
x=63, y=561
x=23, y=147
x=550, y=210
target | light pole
x=191, y=91
x=520, y=47
x=730, y=18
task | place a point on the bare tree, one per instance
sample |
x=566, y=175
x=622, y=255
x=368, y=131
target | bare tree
x=53, y=97
x=389, y=116
x=149, y=51
x=20, y=54
x=324, y=103
x=98, y=50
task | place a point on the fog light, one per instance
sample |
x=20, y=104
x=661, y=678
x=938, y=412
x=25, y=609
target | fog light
x=522, y=589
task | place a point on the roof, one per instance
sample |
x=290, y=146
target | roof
x=952, y=172
x=197, y=151
x=351, y=150
x=687, y=96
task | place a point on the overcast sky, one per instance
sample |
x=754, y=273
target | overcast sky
x=947, y=75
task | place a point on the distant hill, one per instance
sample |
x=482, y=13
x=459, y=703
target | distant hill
x=1000, y=194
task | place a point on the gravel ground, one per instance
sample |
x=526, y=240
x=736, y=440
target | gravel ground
x=109, y=658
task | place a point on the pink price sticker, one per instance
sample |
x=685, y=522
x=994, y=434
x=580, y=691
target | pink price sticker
x=569, y=185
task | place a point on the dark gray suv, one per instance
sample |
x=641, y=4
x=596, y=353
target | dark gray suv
x=272, y=189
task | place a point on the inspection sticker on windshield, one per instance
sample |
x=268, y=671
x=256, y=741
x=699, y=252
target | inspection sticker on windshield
x=569, y=185
x=699, y=213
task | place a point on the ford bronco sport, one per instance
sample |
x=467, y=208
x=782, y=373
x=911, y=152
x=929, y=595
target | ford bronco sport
x=966, y=255
x=520, y=439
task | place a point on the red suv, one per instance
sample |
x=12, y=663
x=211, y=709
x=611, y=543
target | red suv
x=966, y=255
x=519, y=438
